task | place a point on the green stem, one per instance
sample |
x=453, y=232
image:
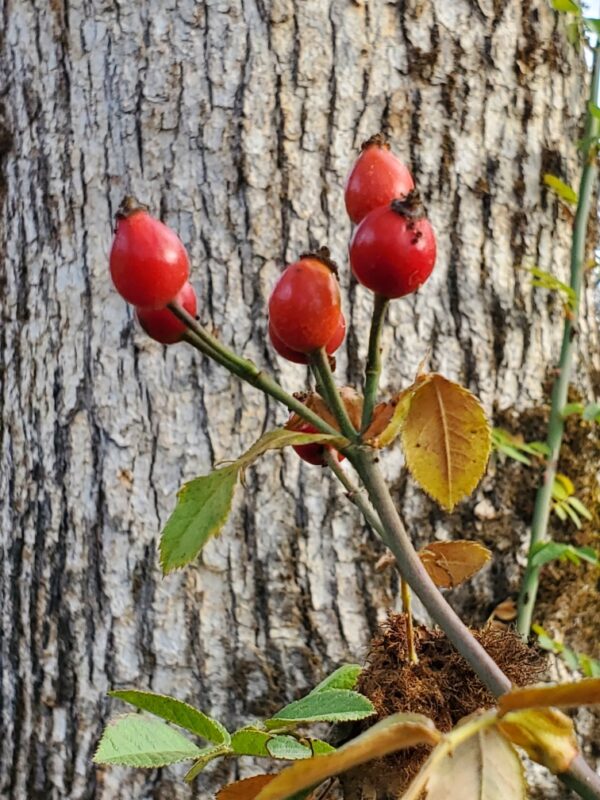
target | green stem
x=320, y=363
x=373, y=369
x=199, y=338
x=543, y=501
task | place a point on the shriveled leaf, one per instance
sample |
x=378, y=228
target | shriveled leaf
x=394, y=733
x=388, y=419
x=564, y=695
x=343, y=678
x=484, y=767
x=248, y=789
x=203, y=506
x=353, y=403
x=330, y=705
x=546, y=734
x=135, y=741
x=280, y=438
x=250, y=742
x=173, y=710
x=288, y=747
x=446, y=439
x=207, y=754
x=562, y=189
x=451, y=563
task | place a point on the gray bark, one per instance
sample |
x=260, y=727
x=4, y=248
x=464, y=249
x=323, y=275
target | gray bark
x=237, y=121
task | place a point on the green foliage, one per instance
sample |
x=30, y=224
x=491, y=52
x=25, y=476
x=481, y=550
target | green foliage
x=590, y=413
x=565, y=504
x=515, y=448
x=288, y=747
x=172, y=710
x=204, y=503
x=593, y=25
x=560, y=188
x=329, y=705
x=579, y=662
x=136, y=741
x=343, y=678
x=544, y=552
x=566, y=6
x=545, y=280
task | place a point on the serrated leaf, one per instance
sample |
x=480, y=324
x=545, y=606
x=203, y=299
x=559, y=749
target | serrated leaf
x=136, y=741
x=288, y=748
x=207, y=754
x=564, y=695
x=343, y=678
x=250, y=742
x=562, y=189
x=330, y=705
x=247, y=789
x=547, y=736
x=176, y=711
x=446, y=439
x=396, y=732
x=484, y=767
x=203, y=506
x=451, y=563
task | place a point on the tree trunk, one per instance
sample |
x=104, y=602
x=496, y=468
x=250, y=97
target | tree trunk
x=237, y=121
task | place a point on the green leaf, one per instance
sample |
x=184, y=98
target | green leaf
x=135, y=741
x=172, y=710
x=330, y=705
x=319, y=747
x=594, y=110
x=203, y=506
x=343, y=678
x=562, y=189
x=579, y=507
x=544, y=552
x=545, y=280
x=207, y=755
x=572, y=408
x=288, y=748
x=515, y=448
x=591, y=413
x=592, y=25
x=566, y=6
x=250, y=741
x=560, y=512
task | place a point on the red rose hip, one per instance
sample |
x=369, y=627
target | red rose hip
x=148, y=262
x=314, y=453
x=393, y=250
x=300, y=358
x=305, y=307
x=377, y=178
x=161, y=324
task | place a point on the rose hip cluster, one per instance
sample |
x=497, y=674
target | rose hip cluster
x=392, y=253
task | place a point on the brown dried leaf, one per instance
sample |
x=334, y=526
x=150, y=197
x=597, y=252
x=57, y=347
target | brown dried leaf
x=451, y=563
x=247, y=789
x=565, y=695
x=546, y=734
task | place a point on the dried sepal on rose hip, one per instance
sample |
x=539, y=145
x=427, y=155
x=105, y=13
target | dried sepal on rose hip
x=314, y=453
x=377, y=178
x=305, y=305
x=161, y=324
x=301, y=358
x=393, y=250
x=148, y=262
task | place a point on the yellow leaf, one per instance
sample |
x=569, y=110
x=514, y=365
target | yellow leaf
x=546, y=734
x=565, y=695
x=393, y=733
x=451, y=563
x=247, y=789
x=446, y=439
x=483, y=767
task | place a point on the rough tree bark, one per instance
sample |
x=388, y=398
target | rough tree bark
x=237, y=120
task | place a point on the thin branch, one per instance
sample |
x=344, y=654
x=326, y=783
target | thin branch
x=541, y=515
x=373, y=368
x=320, y=363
